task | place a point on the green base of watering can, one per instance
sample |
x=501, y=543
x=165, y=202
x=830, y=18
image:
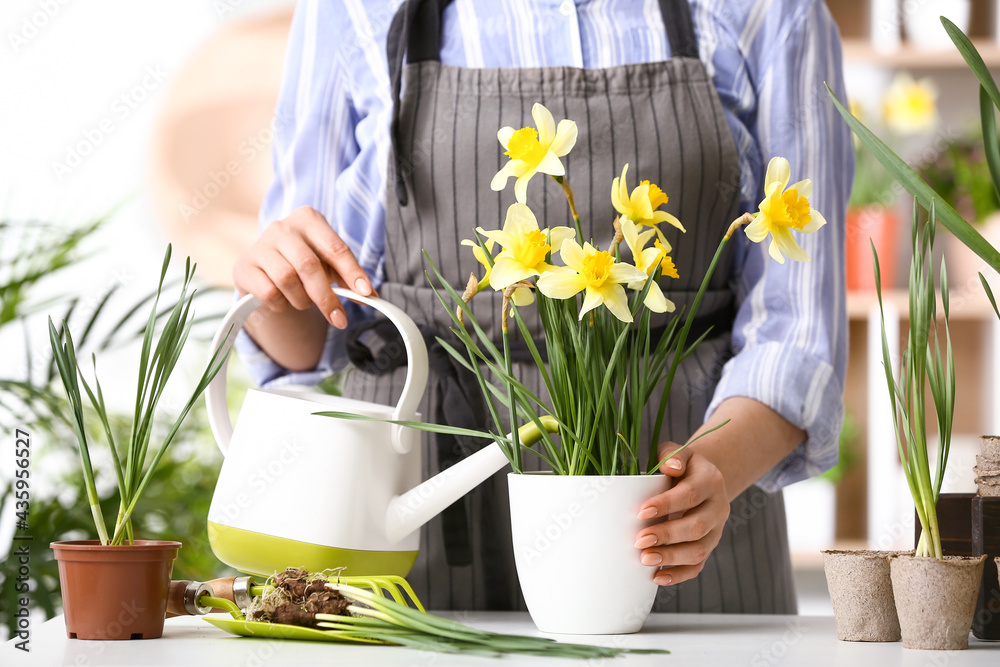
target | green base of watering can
x=263, y=555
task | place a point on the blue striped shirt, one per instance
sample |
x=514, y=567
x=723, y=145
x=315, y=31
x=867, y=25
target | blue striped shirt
x=768, y=59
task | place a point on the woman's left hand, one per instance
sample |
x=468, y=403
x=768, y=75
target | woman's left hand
x=695, y=508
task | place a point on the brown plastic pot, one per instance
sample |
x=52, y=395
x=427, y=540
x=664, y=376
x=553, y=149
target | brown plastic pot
x=115, y=592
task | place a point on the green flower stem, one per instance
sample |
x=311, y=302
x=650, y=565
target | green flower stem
x=568, y=191
x=682, y=338
x=515, y=444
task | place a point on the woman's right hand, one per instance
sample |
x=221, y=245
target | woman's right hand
x=294, y=262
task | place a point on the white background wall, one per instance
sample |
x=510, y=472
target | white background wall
x=81, y=83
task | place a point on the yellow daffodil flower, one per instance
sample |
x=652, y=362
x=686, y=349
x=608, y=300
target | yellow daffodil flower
x=856, y=109
x=640, y=207
x=595, y=271
x=667, y=266
x=481, y=256
x=525, y=247
x=647, y=260
x=521, y=297
x=782, y=211
x=910, y=107
x=532, y=151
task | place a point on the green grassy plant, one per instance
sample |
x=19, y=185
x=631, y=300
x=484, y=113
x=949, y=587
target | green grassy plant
x=135, y=461
x=927, y=365
x=175, y=502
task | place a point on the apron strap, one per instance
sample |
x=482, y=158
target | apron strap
x=680, y=28
x=415, y=32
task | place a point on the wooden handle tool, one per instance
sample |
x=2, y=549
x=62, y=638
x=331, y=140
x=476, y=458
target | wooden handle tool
x=182, y=600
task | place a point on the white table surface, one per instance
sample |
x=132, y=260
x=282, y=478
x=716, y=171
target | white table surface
x=704, y=640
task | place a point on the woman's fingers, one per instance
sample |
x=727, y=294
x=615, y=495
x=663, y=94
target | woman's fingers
x=688, y=528
x=675, y=575
x=294, y=262
x=675, y=465
x=314, y=278
x=692, y=490
x=284, y=277
x=251, y=279
x=685, y=541
x=332, y=249
x=701, y=507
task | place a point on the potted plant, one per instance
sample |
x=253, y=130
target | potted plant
x=595, y=307
x=115, y=587
x=961, y=175
x=911, y=181
x=871, y=216
x=908, y=178
x=935, y=595
x=858, y=580
x=908, y=108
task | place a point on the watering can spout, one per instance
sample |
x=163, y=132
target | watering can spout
x=411, y=510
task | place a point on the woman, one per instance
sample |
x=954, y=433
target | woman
x=377, y=161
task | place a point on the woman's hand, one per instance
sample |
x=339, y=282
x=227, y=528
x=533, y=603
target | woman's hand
x=293, y=264
x=696, y=509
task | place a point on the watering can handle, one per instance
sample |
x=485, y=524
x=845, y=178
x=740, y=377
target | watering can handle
x=413, y=389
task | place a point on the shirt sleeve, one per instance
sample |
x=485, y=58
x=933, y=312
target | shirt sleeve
x=313, y=143
x=790, y=332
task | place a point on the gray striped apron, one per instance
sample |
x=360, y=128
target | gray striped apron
x=665, y=119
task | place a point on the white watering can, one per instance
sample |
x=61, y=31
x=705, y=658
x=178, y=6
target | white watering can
x=297, y=489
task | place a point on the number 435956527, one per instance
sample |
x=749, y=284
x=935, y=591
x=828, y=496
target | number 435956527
x=22, y=474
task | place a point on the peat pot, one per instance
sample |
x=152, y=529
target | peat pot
x=936, y=599
x=861, y=593
x=574, y=548
x=115, y=592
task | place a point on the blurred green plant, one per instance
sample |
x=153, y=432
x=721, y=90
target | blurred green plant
x=850, y=431
x=908, y=108
x=174, y=505
x=962, y=176
x=872, y=183
x=910, y=180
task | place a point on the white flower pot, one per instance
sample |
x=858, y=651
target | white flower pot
x=922, y=20
x=574, y=547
